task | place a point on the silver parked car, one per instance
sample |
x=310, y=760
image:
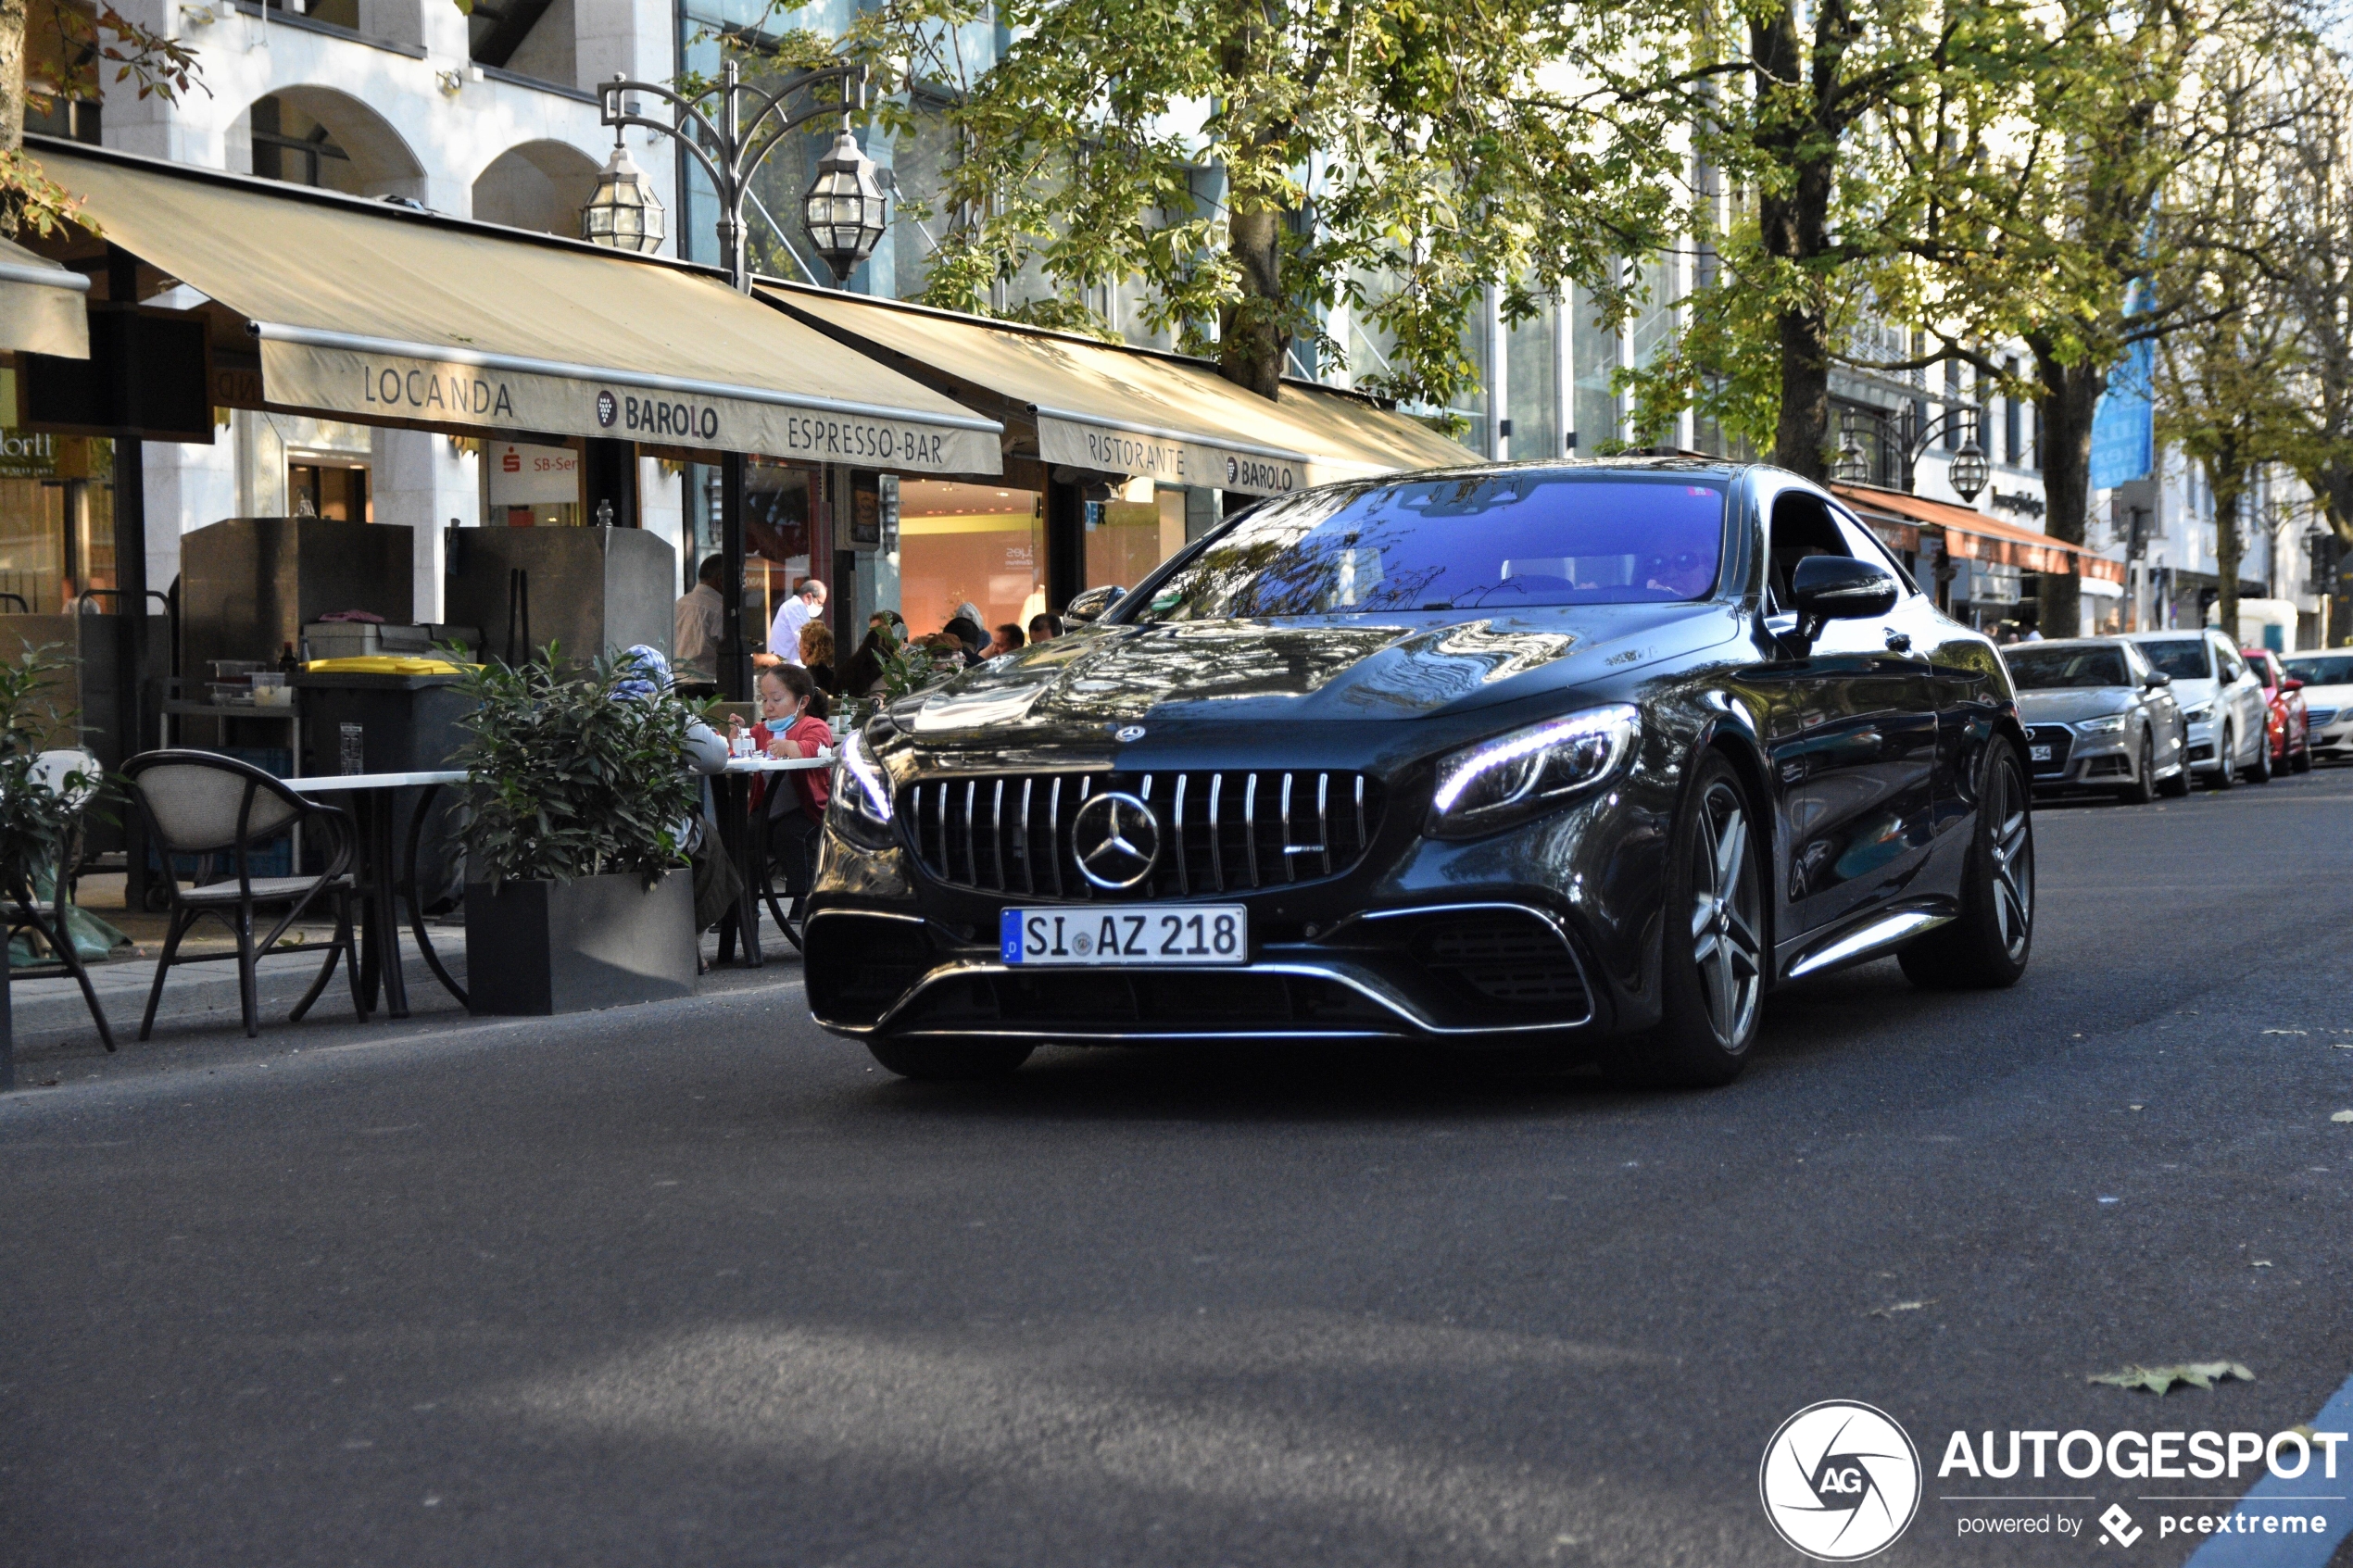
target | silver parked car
x=2229, y=718
x=2099, y=716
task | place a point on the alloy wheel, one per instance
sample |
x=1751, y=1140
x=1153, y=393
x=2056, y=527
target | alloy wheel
x=1726, y=946
x=2013, y=850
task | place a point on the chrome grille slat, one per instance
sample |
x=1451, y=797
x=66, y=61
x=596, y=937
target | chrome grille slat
x=1249, y=824
x=950, y=820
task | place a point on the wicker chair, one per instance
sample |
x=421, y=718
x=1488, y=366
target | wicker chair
x=201, y=803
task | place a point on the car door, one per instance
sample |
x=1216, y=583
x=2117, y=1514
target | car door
x=2242, y=696
x=2167, y=727
x=1851, y=731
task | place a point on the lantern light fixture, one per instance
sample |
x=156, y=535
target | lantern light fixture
x=622, y=213
x=846, y=208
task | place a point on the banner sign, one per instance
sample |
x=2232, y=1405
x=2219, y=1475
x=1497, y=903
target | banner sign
x=1172, y=460
x=371, y=386
x=2124, y=421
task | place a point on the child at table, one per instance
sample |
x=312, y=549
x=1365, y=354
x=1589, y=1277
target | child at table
x=792, y=724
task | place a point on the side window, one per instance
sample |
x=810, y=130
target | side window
x=2233, y=666
x=1864, y=545
x=1802, y=526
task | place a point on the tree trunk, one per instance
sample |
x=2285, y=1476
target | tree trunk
x=2070, y=394
x=1251, y=342
x=2228, y=481
x=1793, y=224
x=12, y=20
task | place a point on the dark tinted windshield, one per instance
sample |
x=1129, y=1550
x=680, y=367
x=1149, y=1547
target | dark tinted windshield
x=2332, y=670
x=2044, y=668
x=1501, y=541
x=2185, y=659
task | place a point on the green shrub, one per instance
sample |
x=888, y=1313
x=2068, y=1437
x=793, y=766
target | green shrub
x=565, y=780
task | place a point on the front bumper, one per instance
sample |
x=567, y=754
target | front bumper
x=2100, y=761
x=1550, y=928
x=2334, y=742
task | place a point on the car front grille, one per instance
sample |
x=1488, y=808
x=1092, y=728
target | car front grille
x=2318, y=717
x=2060, y=738
x=1221, y=832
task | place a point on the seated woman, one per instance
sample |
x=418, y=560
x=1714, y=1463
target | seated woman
x=817, y=656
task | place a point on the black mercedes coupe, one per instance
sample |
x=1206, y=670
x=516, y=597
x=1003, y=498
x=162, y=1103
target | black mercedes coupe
x=1587, y=755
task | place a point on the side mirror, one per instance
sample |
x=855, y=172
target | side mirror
x=1840, y=588
x=1090, y=604
x=2156, y=678
x=2291, y=684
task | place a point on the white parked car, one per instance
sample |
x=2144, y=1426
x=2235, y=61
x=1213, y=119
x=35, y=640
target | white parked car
x=2328, y=700
x=2221, y=698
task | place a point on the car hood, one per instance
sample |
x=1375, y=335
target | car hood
x=1305, y=669
x=2064, y=707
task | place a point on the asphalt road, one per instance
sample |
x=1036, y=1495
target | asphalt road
x=702, y=1287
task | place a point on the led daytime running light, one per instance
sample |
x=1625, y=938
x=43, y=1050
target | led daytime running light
x=1618, y=724
x=873, y=789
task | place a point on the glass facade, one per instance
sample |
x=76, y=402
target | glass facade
x=57, y=519
x=1592, y=362
x=981, y=545
x=1532, y=384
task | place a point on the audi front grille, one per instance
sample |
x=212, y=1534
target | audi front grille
x=1226, y=832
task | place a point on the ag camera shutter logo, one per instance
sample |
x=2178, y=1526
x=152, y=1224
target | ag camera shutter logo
x=1840, y=1481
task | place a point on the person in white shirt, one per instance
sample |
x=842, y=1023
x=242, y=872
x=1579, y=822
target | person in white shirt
x=695, y=637
x=807, y=603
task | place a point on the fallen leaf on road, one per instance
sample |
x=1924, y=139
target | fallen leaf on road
x=2261, y=1263
x=1894, y=1307
x=2287, y=1031
x=2343, y=1116
x=2159, y=1379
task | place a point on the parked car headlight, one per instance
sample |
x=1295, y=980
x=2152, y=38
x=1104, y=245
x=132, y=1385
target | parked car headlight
x=2200, y=714
x=1515, y=777
x=862, y=792
x=2106, y=726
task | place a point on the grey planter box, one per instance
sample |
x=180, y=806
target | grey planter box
x=541, y=947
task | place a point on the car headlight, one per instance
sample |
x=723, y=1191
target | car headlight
x=862, y=792
x=2200, y=714
x=1515, y=777
x=2106, y=726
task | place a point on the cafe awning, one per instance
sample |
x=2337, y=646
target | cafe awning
x=370, y=311
x=41, y=306
x=1971, y=535
x=1109, y=408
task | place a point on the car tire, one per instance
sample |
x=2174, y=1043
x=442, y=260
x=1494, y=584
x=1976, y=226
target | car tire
x=2261, y=773
x=1712, y=959
x=2301, y=761
x=2143, y=789
x=950, y=1060
x=2226, y=772
x=1986, y=948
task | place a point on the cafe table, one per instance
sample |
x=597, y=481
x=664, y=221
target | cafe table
x=375, y=802
x=746, y=845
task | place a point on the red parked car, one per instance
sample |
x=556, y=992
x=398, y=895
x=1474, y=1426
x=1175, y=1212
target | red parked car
x=2283, y=696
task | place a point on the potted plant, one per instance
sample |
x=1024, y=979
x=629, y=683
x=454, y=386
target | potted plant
x=577, y=810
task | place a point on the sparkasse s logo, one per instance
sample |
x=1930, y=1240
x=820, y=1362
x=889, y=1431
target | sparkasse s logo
x=1840, y=1481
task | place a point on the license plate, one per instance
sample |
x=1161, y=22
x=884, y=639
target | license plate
x=1140, y=935
x=2038, y=754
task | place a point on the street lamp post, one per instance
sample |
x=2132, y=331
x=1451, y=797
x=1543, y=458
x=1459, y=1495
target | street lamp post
x=1966, y=472
x=845, y=209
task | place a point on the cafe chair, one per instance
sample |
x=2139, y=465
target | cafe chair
x=201, y=803
x=72, y=774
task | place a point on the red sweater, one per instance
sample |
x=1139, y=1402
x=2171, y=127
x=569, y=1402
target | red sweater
x=815, y=788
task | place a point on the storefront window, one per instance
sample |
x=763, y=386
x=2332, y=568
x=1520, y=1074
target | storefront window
x=1126, y=538
x=329, y=490
x=57, y=519
x=1593, y=406
x=972, y=544
x=530, y=486
x=1532, y=378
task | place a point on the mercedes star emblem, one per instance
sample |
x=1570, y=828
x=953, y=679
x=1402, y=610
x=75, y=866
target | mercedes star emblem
x=1126, y=733
x=1116, y=839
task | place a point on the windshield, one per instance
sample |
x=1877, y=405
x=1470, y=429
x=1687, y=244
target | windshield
x=2037, y=670
x=2181, y=658
x=2334, y=670
x=1497, y=541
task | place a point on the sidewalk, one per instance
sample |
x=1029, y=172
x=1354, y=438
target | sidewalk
x=49, y=1015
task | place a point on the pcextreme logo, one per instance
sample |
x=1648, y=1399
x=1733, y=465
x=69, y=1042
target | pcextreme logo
x=1840, y=1481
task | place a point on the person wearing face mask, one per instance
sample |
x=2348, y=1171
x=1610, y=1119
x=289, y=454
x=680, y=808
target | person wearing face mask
x=790, y=807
